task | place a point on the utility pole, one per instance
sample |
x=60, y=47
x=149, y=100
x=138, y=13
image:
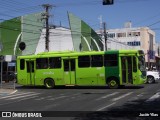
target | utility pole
x=1, y=60
x=105, y=36
x=100, y=19
x=46, y=17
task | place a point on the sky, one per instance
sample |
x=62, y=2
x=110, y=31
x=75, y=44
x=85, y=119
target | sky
x=142, y=13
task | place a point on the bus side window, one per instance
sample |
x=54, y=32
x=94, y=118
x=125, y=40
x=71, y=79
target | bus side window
x=84, y=61
x=41, y=63
x=22, y=64
x=134, y=64
x=96, y=61
x=110, y=60
x=55, y=62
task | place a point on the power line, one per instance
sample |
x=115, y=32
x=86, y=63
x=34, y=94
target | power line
x=154, y=23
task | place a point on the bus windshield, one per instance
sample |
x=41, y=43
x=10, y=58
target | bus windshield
x=141, y=63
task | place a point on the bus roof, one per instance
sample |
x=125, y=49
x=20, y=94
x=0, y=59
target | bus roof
x=75, y=53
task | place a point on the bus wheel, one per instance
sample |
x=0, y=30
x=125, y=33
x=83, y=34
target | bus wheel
x=150, y=79
x=113, y=83
x=49, y=83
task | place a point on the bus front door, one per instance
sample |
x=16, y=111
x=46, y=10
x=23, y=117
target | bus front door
x=127, y=65
x=69, y=71
x=30, y=73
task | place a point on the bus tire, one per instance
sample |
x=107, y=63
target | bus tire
x=113, y=83
x=49, y=83
x=150, y=79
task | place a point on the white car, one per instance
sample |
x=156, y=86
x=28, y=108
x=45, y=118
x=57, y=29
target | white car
x=152, y=76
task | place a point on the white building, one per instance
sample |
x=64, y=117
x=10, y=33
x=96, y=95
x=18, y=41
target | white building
x=137, y=38
x=59, y=40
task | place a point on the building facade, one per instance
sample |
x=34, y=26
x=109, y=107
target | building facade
x=59, y=40
x=137, y=38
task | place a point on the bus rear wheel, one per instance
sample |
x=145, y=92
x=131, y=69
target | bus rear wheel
x=49, y=83
x=150, y=79
x=113, y=83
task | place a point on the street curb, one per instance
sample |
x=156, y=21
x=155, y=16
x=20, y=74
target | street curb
x=14, y=92
x=7, y=91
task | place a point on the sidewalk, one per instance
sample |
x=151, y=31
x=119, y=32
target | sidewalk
x=4, y=92
x=7, y=88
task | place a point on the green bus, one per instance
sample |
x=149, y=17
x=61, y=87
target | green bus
x=111, y=68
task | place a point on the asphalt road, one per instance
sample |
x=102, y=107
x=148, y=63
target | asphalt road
x=86, y=103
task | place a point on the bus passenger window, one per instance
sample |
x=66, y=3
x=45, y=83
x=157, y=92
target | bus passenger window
x=22, y=64
x=55, y=62
x=111, y=60
x=96, y=61
x=42, y=63
x=83, y=61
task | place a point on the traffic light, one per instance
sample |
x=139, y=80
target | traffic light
x=108, y=2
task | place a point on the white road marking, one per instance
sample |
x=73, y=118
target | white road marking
x=57, y=98
x=75, y=94
x=9, y=96
x=24, y=96
x=14, y=101
x=100, y=109
x=158, y=90
x=106, y=96
x=63, y=96
x=140, y=95
x=39, y=98
x=136, y=97
x=122, y=96
x=157, y=95
x=28, y=98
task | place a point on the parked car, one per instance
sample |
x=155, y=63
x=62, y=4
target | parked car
x=152, y=76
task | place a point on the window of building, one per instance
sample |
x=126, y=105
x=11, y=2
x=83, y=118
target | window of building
x=121, y=34
x=136, y=33
x=42, y=63
x=133, y=34
x=129, y=34
x=134, y=43
x=84, y=61
x=111, y=60
x=96, y=60
x=55, y=62
x=111, y=35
